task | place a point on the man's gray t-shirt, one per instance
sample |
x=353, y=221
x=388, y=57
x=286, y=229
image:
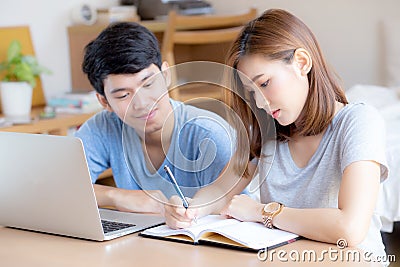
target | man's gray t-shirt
x=357, y=133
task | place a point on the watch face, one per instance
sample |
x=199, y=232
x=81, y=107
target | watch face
x=271, y=207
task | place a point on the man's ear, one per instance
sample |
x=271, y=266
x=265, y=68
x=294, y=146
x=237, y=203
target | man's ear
x=103, y=101
x=166, y=72
x=303, y=60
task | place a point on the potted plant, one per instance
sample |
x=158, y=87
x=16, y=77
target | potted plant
x=19, y=73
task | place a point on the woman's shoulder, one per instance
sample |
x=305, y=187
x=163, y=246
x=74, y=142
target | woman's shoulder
x=357, y=107
x=358, y=111
x=358, y=115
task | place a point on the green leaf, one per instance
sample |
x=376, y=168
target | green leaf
x=34, y=65
x=20, y=67
x=23, y=72
x=30, y=60
x=14, y=50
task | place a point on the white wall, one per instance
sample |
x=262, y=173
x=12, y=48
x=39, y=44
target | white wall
x=48, y=21
x=348, y=31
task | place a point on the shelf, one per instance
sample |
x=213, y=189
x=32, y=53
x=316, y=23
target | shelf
x=59, y=125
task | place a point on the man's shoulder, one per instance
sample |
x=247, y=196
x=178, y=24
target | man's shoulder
x=101, y=123
x=104, y=118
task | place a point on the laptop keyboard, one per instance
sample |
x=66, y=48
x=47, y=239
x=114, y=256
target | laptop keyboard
x=110, y=226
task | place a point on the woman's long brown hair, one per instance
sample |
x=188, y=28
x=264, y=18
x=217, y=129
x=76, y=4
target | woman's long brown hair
x=276, y=34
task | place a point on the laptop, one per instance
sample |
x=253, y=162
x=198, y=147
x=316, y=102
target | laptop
x=46, y=187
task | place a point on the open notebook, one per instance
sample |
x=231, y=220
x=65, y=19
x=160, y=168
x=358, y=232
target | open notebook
x=217, y=230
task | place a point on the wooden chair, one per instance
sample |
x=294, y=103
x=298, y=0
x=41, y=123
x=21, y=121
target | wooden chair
x=21, y=33
x=200, y=30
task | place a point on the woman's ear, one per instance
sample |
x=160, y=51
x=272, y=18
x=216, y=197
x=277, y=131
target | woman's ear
x=303, y=60
x=103, y=101
x=166, y=73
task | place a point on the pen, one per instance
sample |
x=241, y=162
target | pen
x=178, y=190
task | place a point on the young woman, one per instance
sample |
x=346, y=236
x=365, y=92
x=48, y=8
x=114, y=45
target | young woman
x=320, y=174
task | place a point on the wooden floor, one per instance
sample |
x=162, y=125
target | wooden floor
x=392, y=243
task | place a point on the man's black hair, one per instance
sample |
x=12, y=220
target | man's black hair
x=121, y=48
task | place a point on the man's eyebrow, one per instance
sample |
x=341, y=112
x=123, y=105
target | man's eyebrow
x=116, y=90
x=146, y=77
x=149, y=75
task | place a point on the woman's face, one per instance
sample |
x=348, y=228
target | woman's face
x=279, y=88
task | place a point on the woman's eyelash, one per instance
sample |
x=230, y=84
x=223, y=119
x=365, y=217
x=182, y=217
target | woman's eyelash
x=265, y=84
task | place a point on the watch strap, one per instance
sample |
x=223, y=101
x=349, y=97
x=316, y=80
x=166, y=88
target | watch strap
x=267, y=219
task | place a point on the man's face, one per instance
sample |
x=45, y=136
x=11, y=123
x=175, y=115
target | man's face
x=141, y=100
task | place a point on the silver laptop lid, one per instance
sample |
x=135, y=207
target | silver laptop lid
x=46, y=187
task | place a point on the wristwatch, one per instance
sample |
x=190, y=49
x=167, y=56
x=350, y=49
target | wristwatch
x=269, y=211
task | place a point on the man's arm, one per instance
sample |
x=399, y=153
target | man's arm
x=130, y=200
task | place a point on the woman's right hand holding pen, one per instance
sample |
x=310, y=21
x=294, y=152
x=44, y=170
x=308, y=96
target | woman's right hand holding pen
x=177, y=216
x=208, y=200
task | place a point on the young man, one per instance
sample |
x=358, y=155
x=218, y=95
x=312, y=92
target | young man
x=141, y=129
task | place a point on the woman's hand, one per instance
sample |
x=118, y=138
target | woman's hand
x=243, y=208
x=176, y=216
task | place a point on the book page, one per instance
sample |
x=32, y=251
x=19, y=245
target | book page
x=207, y=223
x=254, y=235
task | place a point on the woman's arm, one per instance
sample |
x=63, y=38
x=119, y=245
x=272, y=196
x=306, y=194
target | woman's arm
x=350, y=221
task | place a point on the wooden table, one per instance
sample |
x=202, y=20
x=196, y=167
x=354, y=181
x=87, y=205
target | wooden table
x=26, y=248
